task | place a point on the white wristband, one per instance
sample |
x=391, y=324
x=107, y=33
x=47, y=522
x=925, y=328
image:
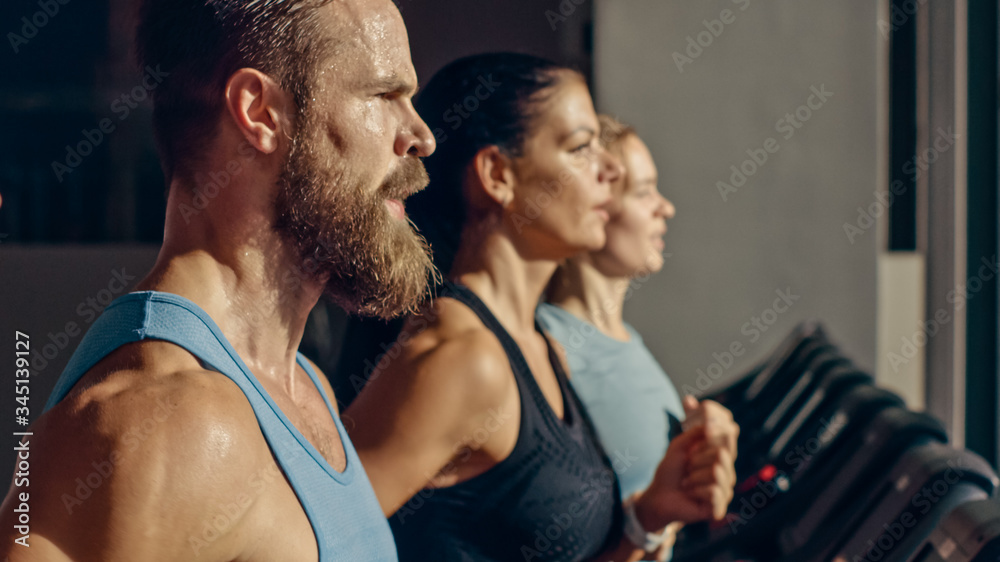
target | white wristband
x=638, y=535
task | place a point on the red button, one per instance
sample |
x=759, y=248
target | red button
x=767, y=473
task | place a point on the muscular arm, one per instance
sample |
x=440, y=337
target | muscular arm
x=418, y=415
x=132, y=476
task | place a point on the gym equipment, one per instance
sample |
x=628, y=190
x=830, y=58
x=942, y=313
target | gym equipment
x=969, y=533
x=832, y=468
x=847, y=484
x=908, y=502
x=738, y=395
x=789, y=477
x=824, y=381
x=827, y=434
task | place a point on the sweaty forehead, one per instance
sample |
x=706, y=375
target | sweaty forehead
x=372, y=43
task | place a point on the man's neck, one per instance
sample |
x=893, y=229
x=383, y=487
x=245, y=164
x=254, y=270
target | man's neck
x=247, y=280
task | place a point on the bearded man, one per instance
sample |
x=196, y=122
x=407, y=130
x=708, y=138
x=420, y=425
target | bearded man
x=186, y=426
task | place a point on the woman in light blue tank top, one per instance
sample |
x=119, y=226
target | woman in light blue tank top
x=634, y=406
x=630, y=399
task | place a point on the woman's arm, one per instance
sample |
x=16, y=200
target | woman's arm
x=418, y=414
x=694, y=482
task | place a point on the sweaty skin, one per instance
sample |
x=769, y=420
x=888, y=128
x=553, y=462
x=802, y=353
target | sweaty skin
x=186, y=443
x=453, y=374
x=594, y=286
x=453, y=379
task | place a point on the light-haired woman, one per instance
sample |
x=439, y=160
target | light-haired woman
x=634, y=406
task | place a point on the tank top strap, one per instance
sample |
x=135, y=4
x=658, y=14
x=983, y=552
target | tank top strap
x=341, y=506
x=172, y=318
x=556, y=467
x=147, y=315
x=519, y=365
x=470, y=299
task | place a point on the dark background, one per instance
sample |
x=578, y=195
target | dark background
x=66, y=79
x=107, y=215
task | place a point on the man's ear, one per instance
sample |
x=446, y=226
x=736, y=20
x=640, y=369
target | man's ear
x=260, y=108
x=495, y=173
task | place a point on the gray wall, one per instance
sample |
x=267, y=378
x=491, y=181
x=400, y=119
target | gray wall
x=784, y=227
x=443, y=30
x=53, y=294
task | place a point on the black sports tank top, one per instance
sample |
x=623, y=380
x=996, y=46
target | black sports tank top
x=555, y=497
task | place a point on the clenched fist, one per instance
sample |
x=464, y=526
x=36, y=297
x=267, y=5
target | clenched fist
x=695, y=479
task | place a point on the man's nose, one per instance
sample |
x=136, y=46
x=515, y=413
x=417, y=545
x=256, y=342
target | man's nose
x=416, y=139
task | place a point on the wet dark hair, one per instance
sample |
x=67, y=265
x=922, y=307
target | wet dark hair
x=472, y=103
x=198, y=44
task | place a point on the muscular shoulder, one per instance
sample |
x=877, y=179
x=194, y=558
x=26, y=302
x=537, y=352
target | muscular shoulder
x=445, y=372
x=195, y=413
x=140, y=451
x=457, y=352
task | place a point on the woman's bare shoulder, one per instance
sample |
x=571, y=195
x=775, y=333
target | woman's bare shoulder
x=446, y=343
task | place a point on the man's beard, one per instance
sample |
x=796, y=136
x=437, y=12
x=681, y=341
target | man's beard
x=377, y=265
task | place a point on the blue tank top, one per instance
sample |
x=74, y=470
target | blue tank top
x=341, y=506
x=633, y=404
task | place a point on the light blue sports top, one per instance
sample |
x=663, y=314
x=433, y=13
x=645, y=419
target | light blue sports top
x=341, y=506
x=628, y=396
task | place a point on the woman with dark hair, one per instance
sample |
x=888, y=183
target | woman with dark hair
x=470, y=433
x=633, y=404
